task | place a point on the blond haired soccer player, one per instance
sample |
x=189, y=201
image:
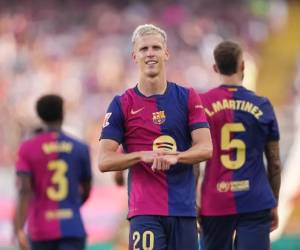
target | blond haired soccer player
x=163, y=131
x=239, y=197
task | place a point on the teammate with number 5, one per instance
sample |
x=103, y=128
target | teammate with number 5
x=239, y=197
x=54, y=180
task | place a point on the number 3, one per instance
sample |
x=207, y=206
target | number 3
x=227, y=144
x=60, y=168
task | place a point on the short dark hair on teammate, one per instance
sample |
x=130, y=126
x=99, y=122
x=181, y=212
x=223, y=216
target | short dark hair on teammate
x=227, y=55
x=50, y=108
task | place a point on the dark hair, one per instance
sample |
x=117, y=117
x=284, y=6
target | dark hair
x=50, y=108
x=227, y=55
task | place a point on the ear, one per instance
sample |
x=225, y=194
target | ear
x=243, y=65
x=215, y=68
x=167, y=54
x=133, y=55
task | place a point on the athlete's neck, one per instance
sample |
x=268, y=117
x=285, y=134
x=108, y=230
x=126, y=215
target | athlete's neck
x=152, y=86
x=235, y=79
x=54, y=125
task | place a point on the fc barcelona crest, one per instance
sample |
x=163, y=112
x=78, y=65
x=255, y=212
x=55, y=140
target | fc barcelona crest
x=159, y=117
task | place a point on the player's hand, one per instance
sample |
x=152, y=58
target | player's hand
x=275, y=220
x=159, y=164
x=164, y=160
x=22, y=240
x=119, y=178
x=148, y=156
x=199, y=220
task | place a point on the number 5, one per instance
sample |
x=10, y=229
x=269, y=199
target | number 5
x=227, y=144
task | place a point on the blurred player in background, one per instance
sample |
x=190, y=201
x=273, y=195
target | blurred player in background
x=53, y=181
x=238, y=194
x=163, y=131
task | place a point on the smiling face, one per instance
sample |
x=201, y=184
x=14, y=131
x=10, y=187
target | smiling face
x=150, y=53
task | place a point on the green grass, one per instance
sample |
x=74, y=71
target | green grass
x=287, y=243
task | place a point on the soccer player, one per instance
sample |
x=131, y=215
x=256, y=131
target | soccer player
x=163, y=131
x=239, y=195
x=54, y=180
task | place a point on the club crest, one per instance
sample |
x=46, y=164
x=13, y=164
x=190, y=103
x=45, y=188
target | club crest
x=159, y=117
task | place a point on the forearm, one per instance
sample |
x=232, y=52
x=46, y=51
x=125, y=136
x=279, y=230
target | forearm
x=196, y=154
x=114, y=161
x=21, y=210
x=275, y=178
x=274, y=166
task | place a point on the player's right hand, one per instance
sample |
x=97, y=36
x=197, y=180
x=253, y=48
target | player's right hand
x=275, y=220
x=199, y=228
x=160, y=164
x=119, y=178
x=148, y=156
x=164, y=160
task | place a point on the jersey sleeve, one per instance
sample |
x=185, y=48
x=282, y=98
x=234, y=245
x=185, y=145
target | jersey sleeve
x=22, y=163
x=197, y=117
x=86, y=172
x=269, y=118
x=113, y=127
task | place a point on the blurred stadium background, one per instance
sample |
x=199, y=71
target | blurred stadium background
x=82, y=50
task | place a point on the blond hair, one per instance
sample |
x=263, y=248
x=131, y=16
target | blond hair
x=148, y=29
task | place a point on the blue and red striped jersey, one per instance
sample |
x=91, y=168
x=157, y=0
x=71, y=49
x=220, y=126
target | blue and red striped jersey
x=165, y=121
x=57, y=164
x=241, y=124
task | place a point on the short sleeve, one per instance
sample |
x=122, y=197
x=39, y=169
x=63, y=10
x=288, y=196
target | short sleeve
x=22, y=163
x=269, y=118
x=113, y=127
x=197, y=117
x=86, y=164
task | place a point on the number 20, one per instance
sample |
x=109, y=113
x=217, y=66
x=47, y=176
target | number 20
x=147, y=240
x=238, y=144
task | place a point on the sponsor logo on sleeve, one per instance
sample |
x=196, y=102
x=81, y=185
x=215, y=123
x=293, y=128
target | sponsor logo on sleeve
x=106, y=118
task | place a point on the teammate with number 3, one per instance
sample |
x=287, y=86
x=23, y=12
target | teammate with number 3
x=239, y=197
x=54, y=180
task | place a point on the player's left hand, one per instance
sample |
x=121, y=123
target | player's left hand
x=170, y=159
x=275, y=220
x=23, y=241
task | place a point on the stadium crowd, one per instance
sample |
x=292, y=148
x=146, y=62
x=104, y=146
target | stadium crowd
x=81, y=49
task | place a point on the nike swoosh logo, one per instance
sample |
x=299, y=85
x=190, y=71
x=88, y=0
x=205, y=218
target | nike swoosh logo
x=198, y=106
x=133, y=112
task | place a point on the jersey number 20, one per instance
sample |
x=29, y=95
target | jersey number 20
x=237, y=144
x=59, y=179
x=147, y=240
